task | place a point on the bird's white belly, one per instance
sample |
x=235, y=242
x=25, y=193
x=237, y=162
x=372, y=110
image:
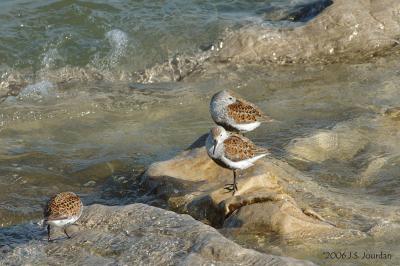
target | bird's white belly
x=63, y=222
x=244, y=164
x=246, y=127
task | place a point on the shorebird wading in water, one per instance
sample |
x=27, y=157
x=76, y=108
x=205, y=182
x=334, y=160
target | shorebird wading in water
x=61, y=210
x=234, y=113
x=232, y=151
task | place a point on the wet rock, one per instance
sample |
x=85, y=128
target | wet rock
x=194, y=184
x=346, y=30
x=136, y=234
x=279, y=216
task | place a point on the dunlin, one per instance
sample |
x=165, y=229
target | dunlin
x=234, y=113
x=232, y=151
x=61, y=210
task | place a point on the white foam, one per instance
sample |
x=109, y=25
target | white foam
x=50, y=57
x=37, y=90
x=119, y=42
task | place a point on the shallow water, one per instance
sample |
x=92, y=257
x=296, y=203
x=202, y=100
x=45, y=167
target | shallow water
x=96, y=136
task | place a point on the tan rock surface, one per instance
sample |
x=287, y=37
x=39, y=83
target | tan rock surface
x=192, y=183
x=135, y=234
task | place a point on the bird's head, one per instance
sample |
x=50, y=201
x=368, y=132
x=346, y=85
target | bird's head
x=225, y=97
x=218, y=134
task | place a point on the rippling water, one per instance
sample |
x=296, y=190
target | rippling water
x=120, y=34
x=69, y=130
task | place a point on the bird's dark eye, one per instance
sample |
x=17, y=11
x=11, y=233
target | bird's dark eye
x=230, y=98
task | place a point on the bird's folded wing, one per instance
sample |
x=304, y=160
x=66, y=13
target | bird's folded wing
x=244, y=112
x=238, y=148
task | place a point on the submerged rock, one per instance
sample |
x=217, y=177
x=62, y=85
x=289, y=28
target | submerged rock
x=194, y=184
x=342, y=142
x=137, y=234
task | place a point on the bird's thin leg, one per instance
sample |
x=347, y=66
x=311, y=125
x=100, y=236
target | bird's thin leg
x=232, y=187
x=65, y=232
x=234, y=182
x=235, y=175
x=48, y=233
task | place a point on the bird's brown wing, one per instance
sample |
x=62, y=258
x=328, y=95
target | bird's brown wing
x=244, y=112
x=61, y=206
x=238, y=148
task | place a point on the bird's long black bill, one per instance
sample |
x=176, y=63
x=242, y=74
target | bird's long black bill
x=215, y=146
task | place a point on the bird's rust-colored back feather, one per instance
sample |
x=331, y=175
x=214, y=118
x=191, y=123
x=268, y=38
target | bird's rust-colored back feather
x=245, y=112
x=62, y=206
x=238, y=148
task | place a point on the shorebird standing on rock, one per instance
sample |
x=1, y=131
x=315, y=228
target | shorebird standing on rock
x=232, y=151
x=234, y=113
x=61, y=210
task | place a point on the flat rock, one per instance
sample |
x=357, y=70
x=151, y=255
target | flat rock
x=192, y=183
x=135, y=234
